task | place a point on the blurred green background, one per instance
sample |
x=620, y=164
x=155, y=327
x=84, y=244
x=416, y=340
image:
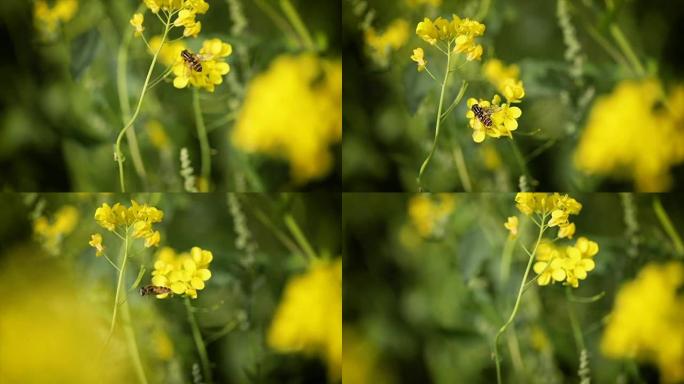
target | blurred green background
x=424, y=294
x=60, y=112
x=59, y=295
x=389, y=108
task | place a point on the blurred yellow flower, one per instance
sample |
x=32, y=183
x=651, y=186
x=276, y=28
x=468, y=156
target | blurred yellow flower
x=429, y=213
x=186, y=18
x=505, y=79
x=419, y=57
x=170, y=53
x=647, y=321
x=47, y=17
x=631, y=133
x=157, y=134
x=183, y=273
x=212, y=55
x=361, y=361
x=137, y=21
x=96, y=242
x=137, y=217
x=393, y=38
x=502, y=118
x=565, y=264
x=309, y=316
x=294, y=111
x=512, y=225
x=51, y=234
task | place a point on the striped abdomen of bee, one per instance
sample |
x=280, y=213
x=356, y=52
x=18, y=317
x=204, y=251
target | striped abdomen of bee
x=192, y=60
x=482, y=115
x=153, y=290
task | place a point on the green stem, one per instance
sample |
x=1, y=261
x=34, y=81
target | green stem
x=117, y=152
x=278, y=20
x=521, y=162
x=626, y=48
x=122, y=89
x=574, y=323
x=203, y=139
x=119, y=284
x=517, y=302
x=439, y=120
x=130, y=340
x=199, y=342
x=297, y=23
x=459, y=160
x=299, y=237
x=667, y=226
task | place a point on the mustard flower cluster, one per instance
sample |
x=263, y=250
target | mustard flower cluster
x=647, y=321
x=49, y=14
x=51, y=232
x=293, y=111
x=183, y=273
x=460, y=32
x=555, y=263
x=186, y=10
x=214, y=66
x=558, y=206
x=120, y=219
x=309, y=316
x=503, y=118
x=635, y=133
x=568, y=264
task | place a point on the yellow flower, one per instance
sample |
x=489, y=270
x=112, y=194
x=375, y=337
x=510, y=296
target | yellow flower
x=166, y=5
x=170, y=53
x=212, y=54
x=47, y=18
x=186, y=18
x=393, y=38
x=418, y=57
x=503, y=118
x=309, y=316
x=137, y=217
x=183, y=273
x=549, y=264
x=293, y=111
x=567, y=265
x=631, y=133
x=560, y=207
x=566, y=231
x=505, y=79
x=137, y=21
x=428, y=215
x=427, y=31
x=647, y=321
x=96, y=242
x=512, y=225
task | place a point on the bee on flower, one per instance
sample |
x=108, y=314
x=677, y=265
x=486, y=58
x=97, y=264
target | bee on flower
x=181, y=274
x=204, y=70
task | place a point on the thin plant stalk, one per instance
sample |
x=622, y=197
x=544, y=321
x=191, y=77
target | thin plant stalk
x=122, y=90
x=297, y=23
x=516, y=306
x=119, y=284
x=439, y=119
x=199, y=342
x=203, y=139
x=117, y=151
x=299, y=237
x=669, y=228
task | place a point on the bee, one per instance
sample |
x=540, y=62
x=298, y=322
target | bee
x=484, y=114
x=154, y=290
x=193, y=61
